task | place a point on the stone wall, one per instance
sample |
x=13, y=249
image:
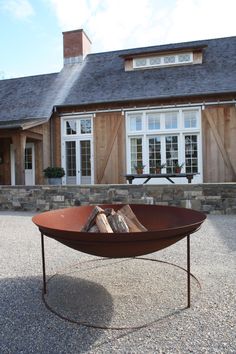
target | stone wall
x=209, y=198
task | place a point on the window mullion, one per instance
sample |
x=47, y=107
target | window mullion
x=181, y=148
x=163, y=149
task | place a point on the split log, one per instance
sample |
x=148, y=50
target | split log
x=118, y=223
x=103, y=224
x=94, y=228
x=109, y=221
x=92, y=218
x=131, y=219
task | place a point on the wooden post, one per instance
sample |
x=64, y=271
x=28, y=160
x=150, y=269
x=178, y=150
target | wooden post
x=19, y=141
x=39, y=162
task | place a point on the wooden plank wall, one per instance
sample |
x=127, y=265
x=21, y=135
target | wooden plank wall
x=109, y=147
x=56, y=127
x=219, y=144
x=5, y=167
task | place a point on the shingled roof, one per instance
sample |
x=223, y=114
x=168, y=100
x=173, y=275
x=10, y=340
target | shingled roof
x=26, y=98
x=102, y=79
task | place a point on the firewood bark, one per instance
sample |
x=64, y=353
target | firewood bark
x=109, y=211
x=92, y=218
x=117, y=223
x=131, y=219
x=103, y=224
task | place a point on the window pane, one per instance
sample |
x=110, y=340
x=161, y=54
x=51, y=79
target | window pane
x=170, y=59
x=85, y=126
x=154, y=154
x=154, y=121
x=190, y=119
x=191, y=153
x=171, y=153
x=70, y=159
x=140, y=62
x=171, y=120
x=137, y=154
x=85, y=156
x=28, y=159
x=136, y=122
x=70, y=127
x=186, y=57
x=155, y=61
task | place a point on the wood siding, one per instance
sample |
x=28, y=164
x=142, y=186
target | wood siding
x=56, y=140
x=5, y=166
x=219, y=144
x=42, y=150
x=109, y=148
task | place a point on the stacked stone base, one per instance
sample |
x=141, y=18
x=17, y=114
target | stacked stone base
x=209, y=198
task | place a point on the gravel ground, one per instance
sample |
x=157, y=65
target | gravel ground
x=117, y=293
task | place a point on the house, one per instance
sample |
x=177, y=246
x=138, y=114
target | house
x=106, y=112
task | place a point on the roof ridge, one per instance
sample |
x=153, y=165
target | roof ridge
x=28, y=77
x=162, y=45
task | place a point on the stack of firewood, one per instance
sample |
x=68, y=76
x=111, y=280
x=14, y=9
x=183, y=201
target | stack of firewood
x=109, y=221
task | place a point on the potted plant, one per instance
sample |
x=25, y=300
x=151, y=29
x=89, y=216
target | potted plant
x=139, y=167
x=178, y=167
x=159, y=167
x=54, y=174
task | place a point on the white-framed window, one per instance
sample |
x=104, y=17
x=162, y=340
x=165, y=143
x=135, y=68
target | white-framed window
x=135, y=122
x=165, y=136
x=77, y=126
x=171, y=120
x=190, y=119
x=77, y=149
x=163, y=60
x=154, y=121
x=136, y=152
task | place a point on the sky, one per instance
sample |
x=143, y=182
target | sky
x=31, y=30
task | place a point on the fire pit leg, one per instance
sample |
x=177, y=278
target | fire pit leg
x=43, y=264
x=188, y=269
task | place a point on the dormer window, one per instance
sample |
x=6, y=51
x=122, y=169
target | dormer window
x=163, y=60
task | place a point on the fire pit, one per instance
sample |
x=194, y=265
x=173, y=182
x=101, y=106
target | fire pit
x=166, y=225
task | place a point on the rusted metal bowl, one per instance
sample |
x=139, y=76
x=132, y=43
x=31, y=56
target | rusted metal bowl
x=166, y=225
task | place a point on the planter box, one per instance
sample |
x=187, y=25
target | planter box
x=54, y=181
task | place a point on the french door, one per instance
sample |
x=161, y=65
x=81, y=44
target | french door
x=29, y=165
x=77, y=161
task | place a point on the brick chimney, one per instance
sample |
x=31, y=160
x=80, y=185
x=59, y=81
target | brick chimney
x=76, y=45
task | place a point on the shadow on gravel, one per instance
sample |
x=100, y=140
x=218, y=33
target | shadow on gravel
x=79, y=300
x=26, y=325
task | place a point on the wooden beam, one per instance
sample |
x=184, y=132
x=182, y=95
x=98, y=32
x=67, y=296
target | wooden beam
x=8, y=133
x=33, y=135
